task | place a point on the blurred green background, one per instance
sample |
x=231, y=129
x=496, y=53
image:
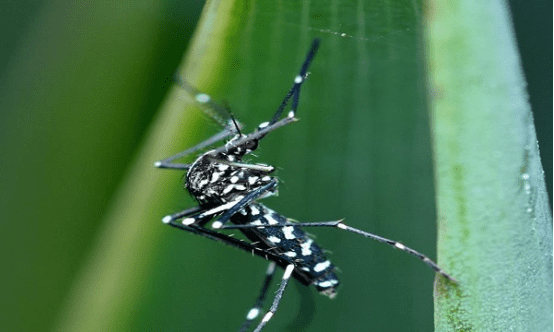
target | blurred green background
x=81, y=84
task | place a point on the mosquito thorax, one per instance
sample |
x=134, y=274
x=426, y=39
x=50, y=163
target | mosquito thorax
x=218, y=178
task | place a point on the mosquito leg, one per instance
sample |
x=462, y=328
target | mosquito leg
x=191, y=216
x=243, y=202
x=339, y=224
x=277, y=299
x=255, y=311
x=298, y=80
x=261, y=168
x=179, y=215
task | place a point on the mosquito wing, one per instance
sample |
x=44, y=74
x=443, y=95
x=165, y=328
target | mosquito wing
x=216, y=112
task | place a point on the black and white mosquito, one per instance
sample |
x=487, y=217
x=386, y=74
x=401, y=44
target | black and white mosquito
x=227, y=189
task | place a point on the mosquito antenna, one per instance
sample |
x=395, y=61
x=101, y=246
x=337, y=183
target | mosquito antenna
x=232, y=116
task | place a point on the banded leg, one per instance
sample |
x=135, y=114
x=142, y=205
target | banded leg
x=298, y=80
x=263, y=129
x=257, y=167
x=255, y=311
x=286, y=277
x=179, y=215
x=275, y=260
x=231, y=241
x=339, y=224
x=193, y=215
x=399, y=246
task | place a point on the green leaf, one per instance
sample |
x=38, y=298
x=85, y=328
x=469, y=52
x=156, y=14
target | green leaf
x=495, y=224
x=360, y=151
x=81, y=82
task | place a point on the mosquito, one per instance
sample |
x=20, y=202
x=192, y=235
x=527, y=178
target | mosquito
x=228, y=191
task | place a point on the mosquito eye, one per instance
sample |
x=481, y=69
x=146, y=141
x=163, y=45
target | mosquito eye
x=252, y=145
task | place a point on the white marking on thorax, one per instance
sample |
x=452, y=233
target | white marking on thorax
x=215, y=176
x=228, y=189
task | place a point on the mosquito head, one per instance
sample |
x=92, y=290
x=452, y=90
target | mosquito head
x=240, y=149
x=262, y=126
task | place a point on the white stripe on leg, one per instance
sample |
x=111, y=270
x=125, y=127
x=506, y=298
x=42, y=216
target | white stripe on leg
x=286, y=276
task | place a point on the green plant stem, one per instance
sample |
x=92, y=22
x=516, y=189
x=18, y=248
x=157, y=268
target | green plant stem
x=495, y=224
